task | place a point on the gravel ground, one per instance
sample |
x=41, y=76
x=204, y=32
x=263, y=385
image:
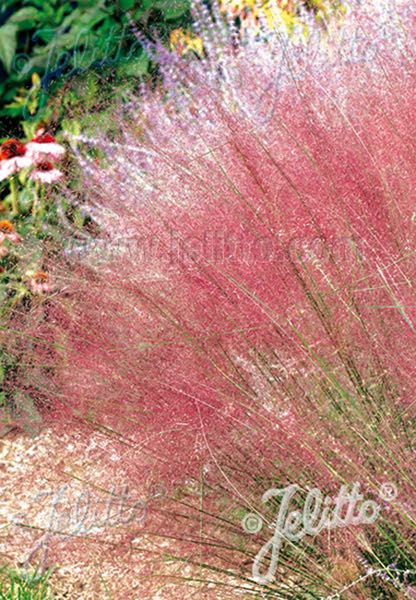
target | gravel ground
x=57, y=510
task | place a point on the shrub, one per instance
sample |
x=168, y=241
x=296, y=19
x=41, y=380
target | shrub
x=246, y=317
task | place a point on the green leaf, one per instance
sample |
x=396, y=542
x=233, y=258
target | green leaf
x=25, y=18
x=26, y=200
x=172, y=9
x=127, y=4
x=78, y=219
x=135, y=67
x=139, y=13
x=45, y=34
x=29, y=128
x=36, y=63
x=147, y=4
x=71, y=126
x=177, y=11
x=90, y=18
x=8, y=43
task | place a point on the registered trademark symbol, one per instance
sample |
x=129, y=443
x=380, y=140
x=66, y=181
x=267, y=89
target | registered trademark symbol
x=388, y=492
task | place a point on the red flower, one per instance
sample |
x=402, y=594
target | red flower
x=11, y=149
x=44, y=138
x=44, y=145
x=13, y=157
x=46, y=172
x=45, y=166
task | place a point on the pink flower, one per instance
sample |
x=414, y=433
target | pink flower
x=46, y=173
x=13, y=157
x=8, y=232
x=44, y=145
x=7, y=168
x=40, y=283
x=3, y=251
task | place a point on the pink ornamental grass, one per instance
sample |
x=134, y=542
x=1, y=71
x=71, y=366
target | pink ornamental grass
x=250, y=321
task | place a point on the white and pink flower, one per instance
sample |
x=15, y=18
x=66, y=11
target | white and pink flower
x=13, y=157
x=40, y=283
x=44, y=146
x=8, y=232
x=46, y=172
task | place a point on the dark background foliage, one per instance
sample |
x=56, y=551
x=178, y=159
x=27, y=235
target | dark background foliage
x=56, y=54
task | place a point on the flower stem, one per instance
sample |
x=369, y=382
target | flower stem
x=35, y=199
x=42, y=204
x=14, y=195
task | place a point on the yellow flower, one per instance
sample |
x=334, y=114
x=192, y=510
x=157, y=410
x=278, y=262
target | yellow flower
x=277, y=12
x=237, y=6
x=185, y=41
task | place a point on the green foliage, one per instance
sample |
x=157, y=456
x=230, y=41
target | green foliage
x=24, y=586
x=8, y=45
x=59, y=61
x=46, y=44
